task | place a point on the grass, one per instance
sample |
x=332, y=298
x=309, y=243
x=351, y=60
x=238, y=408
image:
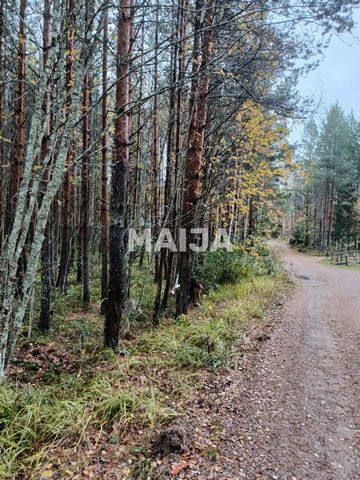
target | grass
x=351, y=266
x=35, y=419
x=208, y=337
x=163, y=368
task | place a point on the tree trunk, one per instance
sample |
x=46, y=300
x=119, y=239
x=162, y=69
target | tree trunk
x=46, y=250
x=179, y=63
x=104, y=176
x=119, y=181
x=85, y=187
x=2, y=101
x=17, y=165
x=139, y=140
x=155, y=153
x=85, y=204
x=68, y=189
x=194, y=156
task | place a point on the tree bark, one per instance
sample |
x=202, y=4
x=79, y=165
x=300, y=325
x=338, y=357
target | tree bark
x=17, y=165
x=2, y=101
x=155, y=152
x=172, y=170
x=119, y=183
x=104, y=176
x=46, y=250
x=68, y=188
x=85, y=187
x=194, y=156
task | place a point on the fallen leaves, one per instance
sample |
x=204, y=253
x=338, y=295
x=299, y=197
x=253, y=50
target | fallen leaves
x=179, y=467
x=47, y=474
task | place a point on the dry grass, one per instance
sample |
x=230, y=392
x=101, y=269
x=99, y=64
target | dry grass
x=142, y=390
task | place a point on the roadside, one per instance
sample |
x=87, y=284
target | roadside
x=75, y=411
x=291, y=410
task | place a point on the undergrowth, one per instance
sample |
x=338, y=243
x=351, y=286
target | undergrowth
x=34, y=418
x=161, y=367
x=208, y=337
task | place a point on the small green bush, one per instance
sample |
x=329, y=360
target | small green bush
x=298, y=236
x=245, y=261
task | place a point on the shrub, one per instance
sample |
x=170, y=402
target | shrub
x=298, y=236
x=245, y=261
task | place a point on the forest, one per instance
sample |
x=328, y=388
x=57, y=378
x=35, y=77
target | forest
x=326, y=186
x=145, y=162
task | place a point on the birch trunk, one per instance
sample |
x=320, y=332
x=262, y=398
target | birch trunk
x=11, y=315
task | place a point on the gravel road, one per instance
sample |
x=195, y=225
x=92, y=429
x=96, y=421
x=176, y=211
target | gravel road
x=292, y=411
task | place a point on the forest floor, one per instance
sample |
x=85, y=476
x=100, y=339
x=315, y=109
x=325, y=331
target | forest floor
x=292, y=410
x=72, y=410
x=239, y=392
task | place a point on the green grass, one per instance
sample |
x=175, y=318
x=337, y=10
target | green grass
x=207, y=337
x=354, y=266
x=33, y=419
x=164, y=366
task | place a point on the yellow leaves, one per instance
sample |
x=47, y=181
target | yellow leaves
x=258, y=155
x=21, y=41
x=244, y=210
x=220, y=71
x=74, y=53
x=357, y=208
x=47, y=474
x=261, y=134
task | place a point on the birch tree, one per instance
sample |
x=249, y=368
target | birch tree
x=66, y=115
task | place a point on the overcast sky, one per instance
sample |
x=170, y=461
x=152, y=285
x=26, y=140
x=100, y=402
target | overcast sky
x=337, y=77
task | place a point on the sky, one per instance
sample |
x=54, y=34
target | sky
x=336, y=79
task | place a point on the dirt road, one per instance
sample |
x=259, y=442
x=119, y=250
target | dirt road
x=293, y=412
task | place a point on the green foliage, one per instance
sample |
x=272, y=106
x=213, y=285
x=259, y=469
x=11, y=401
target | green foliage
x=207, y=340
x=203, y=343
x=222, y=267
x=142, y=469
x=33, y=419
x=325, y=195
x=298, y=235
x=36, y=417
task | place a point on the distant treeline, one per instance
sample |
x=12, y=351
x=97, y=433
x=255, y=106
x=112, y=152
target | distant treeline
x=326, y=194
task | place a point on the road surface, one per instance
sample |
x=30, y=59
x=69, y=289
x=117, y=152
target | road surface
x=293, y=413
